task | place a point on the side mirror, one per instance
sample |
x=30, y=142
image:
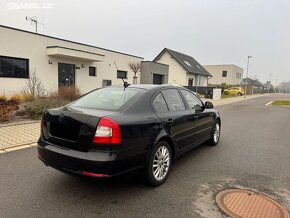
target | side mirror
x=198, y=108
x=208, y=105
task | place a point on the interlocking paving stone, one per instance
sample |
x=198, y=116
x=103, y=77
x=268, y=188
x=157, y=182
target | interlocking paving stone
x=19, y=134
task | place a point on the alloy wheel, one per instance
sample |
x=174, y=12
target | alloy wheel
x=161, y=162
x=216, y=135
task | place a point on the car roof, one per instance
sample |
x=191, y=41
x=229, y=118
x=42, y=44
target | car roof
x=148, y=86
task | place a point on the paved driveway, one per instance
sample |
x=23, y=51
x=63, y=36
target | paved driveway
x=14, y=135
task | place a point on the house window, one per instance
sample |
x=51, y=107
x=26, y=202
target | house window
x=224, y=73
x=92, y=71
x=106, y=83
x=14, y=67
x=199, y=80
x=190, y=82
x=121, y=74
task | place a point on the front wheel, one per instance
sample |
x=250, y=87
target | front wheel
x=159, y=164
x=216, y=133
x=240, y=94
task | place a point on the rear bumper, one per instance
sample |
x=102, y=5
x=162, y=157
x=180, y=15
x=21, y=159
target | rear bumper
x=91, y=163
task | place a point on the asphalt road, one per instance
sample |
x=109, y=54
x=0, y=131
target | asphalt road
x=254, y=153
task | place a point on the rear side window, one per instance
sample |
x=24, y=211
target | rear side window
x=110, y=98
x=159, y=104
x=191, y=99
x=173, y=100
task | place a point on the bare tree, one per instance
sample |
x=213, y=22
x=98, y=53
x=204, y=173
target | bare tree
x=284, y=87
x=135, y=67
x=33, y=87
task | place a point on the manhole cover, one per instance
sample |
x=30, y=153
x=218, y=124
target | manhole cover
x=244, y=203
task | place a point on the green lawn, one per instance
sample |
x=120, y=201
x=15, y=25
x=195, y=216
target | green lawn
x=281, y=103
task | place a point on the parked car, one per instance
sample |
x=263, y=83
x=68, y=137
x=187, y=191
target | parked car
x=234, y=91
x=116, y=129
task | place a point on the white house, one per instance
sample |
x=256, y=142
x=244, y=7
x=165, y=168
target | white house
x=183, y=69
x=58, y=61
x=227, y=74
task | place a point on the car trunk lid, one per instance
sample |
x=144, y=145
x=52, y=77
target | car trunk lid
x=72, y=128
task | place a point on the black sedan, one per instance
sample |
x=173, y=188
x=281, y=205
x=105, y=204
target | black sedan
x=117, y=129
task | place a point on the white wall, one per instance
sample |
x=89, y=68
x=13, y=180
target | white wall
x=21, y=44
x=176, y=73
x=198, y=80
x=216, y=72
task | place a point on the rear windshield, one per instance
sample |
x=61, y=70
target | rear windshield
x=109, y=98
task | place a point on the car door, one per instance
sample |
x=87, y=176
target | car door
x=203, y=118
x=175, y=118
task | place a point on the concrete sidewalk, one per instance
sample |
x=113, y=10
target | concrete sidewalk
x=16, y=136
x=231, y=100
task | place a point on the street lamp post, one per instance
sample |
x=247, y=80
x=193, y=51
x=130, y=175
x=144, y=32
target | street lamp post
x=246, y=83
x=269, y=85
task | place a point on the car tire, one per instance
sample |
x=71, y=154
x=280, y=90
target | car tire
x=216, y=134
x=159, y=164
x=240, y=94
x=226, y=93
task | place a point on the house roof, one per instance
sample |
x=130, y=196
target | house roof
x=253, y=82
x=65, y=40
x=186, y=61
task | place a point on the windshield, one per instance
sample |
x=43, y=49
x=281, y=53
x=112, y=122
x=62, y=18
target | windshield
x=109, y=98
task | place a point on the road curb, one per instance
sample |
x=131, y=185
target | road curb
x=18, y=147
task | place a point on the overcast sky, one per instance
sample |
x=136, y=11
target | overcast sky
x=212, y=31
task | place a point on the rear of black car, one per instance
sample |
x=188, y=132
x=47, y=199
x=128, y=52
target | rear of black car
x=85, y=138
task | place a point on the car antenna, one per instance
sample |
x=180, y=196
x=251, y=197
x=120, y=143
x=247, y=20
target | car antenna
x=125, y=84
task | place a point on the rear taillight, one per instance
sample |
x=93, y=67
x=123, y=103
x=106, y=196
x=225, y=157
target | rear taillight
x=108, y=132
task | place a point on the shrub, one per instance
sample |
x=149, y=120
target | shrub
x=8, y=110
x=33, y=87
x=35, y=108
x=18, y=98
x=3, y=98
x=63, y=96
x=69, y=93
x=28, y=97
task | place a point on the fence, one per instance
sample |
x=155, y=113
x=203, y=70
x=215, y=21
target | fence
x=202, y=90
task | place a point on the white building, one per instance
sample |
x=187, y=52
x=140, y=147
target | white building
x=183, y=69
x=229, y=74
x=58, y=62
